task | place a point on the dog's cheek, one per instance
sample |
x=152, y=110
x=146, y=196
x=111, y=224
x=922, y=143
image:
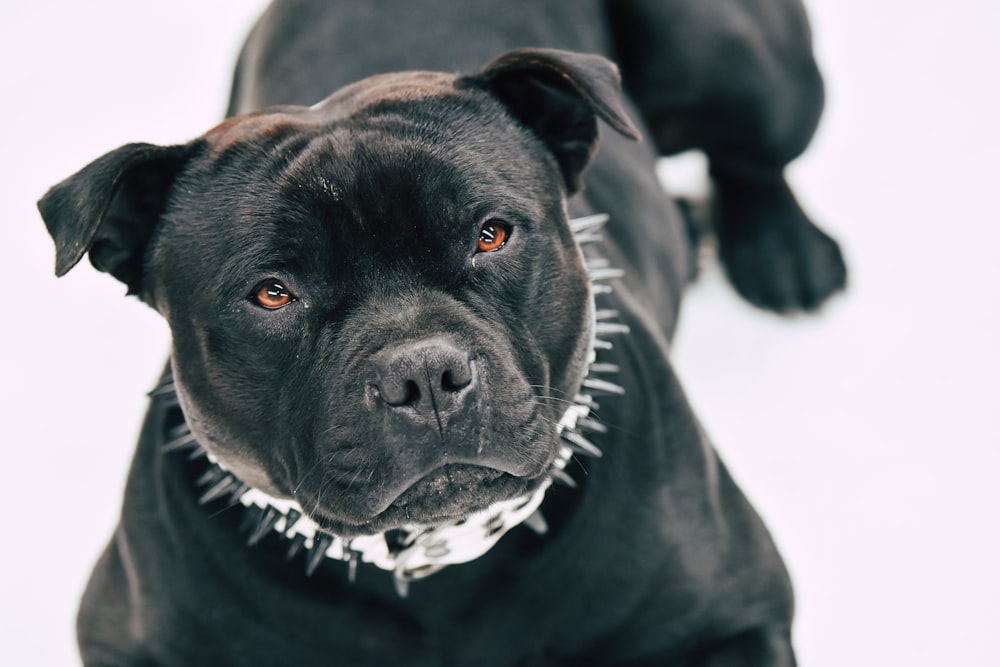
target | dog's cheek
x=236, y=398
x=562, y=320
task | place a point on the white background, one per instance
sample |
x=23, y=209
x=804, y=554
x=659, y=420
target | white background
x=867, y=436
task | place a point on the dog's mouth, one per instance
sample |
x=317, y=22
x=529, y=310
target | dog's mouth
x=447, y=494
x=444, y=494
x=446, y=481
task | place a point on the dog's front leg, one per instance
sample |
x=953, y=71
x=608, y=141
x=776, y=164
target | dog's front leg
x=772, y=253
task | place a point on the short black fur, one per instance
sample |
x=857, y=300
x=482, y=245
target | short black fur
x=367, y=207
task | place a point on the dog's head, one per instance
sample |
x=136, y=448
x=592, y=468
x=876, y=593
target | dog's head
x=377, y=305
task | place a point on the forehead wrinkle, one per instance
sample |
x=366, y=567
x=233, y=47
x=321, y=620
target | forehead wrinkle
x=475, y=135
x=391, y=172
x=272, y=223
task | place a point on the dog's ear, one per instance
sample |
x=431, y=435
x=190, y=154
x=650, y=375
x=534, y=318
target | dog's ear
x=559, y=95
x=110, y=208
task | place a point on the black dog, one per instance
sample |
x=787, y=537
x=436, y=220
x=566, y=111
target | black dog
x=396, y=322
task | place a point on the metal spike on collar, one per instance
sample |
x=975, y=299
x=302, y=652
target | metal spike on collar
x=610, y=328
x=588, y=229
x=321, y=544
x=237, y=492
x=250, y=519
x=586, y=238
x=267, y=522
x=536, y=522
x=210, y=476
x=291, y=518
x=421, y=551
x=352, y=565
x=581, y=445
x=219, y=489
x=166, y=391
x=600, y=344
x=596, y=384
x=588, y=224
x=605, y=274
x=197, y=453
x=563, y=478
x=165, y=388
x=296, y=543
x=588, y=424
x=182, y=440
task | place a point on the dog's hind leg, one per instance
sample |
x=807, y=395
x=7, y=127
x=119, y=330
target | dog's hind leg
x=737, y=80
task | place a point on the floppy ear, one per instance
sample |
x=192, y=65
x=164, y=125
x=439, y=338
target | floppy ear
x=559, y=95
x=110, y=208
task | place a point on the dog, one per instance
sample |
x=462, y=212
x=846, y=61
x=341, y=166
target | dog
x=419, y=407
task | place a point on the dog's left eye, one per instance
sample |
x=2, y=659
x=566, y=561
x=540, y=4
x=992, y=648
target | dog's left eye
x=493, y=235
x=272, y=295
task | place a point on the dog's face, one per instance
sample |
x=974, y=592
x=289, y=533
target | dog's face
x=377, y=306
x=379, y=310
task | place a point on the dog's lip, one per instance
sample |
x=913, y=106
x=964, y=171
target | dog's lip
x=445, y=475
x=465, y=488
x=453, y=492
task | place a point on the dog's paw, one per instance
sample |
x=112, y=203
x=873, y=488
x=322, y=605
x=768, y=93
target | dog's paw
x=774, y=256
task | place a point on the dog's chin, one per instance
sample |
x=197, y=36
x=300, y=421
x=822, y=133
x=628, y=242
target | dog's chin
x=448, y=494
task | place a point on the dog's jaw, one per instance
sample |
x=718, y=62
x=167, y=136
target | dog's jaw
x=410, y=553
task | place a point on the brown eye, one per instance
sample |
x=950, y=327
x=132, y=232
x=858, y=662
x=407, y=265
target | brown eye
x=492, y=236
x=271, y=294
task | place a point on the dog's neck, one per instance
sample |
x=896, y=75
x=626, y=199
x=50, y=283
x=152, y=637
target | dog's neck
x=414, y=552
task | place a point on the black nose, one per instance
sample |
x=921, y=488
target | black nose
x=431, y=378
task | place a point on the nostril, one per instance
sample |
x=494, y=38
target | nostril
x=412, y=393
x=398, y=392
x=452, y=381
x=431, y=375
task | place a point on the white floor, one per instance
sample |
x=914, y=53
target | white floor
x=869, y=436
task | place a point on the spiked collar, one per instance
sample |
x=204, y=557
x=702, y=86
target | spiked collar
x=415, y=551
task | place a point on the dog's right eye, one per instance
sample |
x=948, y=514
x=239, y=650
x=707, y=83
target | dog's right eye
x=272, y=295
